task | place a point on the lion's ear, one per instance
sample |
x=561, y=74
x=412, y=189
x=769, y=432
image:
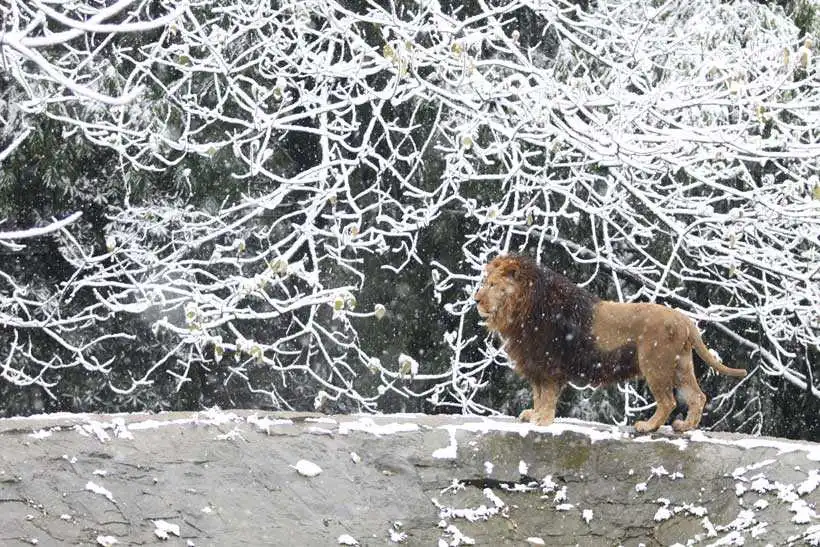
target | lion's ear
x=512, y=271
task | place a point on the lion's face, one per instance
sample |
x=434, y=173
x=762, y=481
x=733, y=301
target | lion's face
x=499, y=293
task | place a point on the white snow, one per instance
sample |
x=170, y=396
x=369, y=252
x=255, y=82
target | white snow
x=107, y=541
x=265, y=424
x=40, y=434
x=534, y=540
x=663, y=513
x=97, y=489
x=586, y=514
x=307, y=468
x=449, y=452
x=547, y=485
x=164, y=529
x=522, y=467
x=396, y=536
x=490, y=495
x=488, y=468
x=347, y=539
x=810, y=484
x=803, y=513
x=368, y=425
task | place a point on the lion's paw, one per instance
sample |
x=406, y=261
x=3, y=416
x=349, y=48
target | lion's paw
x=526, y=415
x=644, y=426
x=679, y=426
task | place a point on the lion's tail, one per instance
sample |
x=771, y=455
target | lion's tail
x=710, y=358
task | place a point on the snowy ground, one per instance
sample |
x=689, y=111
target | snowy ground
x=252, y=478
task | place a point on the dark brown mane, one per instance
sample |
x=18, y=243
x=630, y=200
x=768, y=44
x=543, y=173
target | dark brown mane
x=550, y=337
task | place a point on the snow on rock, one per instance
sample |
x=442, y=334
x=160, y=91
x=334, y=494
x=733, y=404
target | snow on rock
x=783, y=446
x=40, y=434
x=663, y=513
x=522, y=467
x=803, y=513
x=586, y=514
x=740, y=471
x=456, y=537
x=449, y=452
x=472, y=514
x=709, y=527
x=490, y=495
x=681, y=443
x=107, y=541
x=322, y=420
x=488, y=468
x=93, y=427
x=307, y=468
x=535, y=541
x=347, y=539
x=164, y=529
x=810, y=484
x=368, y=425
x=265, y=424
x=97, y=489
x=395, y=534
x=547, y=485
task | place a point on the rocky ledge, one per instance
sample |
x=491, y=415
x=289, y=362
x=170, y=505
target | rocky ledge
x=257, y=478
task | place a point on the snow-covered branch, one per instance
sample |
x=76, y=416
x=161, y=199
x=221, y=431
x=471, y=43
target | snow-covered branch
x=670, y=150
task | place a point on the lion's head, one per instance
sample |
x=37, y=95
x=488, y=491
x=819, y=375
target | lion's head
x=504, y=293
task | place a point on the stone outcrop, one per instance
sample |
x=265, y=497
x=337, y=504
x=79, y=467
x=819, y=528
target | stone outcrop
x=235, y=478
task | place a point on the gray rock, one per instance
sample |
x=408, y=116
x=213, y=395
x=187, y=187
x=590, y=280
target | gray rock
x=227, y=478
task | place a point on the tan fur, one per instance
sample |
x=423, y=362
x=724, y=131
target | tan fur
x=659, y=338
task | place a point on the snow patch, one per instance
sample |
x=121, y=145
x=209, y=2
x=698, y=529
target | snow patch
x=40, y=434
x=307, y=468
x=264, y=423
x=369, y=426
x=450, y=451
x=164, y=529
x=97, y=489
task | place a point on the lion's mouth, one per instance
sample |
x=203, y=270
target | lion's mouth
x=483, y=313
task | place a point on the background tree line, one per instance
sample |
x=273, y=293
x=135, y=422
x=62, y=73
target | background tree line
x=288, y=206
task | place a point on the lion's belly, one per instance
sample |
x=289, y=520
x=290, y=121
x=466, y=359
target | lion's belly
x=600, y=368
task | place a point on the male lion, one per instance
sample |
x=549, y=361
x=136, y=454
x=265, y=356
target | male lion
x=556, y=332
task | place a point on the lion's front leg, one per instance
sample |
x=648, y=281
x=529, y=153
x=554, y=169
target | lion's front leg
x=528, y=414
x=545, y=400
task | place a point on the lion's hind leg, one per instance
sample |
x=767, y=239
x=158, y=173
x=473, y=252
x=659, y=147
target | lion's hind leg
x=690, y=392
x=660, y=384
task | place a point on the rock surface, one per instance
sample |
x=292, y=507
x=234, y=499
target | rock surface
x=231, y=478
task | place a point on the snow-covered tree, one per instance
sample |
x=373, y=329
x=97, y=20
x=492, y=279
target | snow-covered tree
x=266, y=165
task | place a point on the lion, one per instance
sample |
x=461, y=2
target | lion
x=556, y=332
